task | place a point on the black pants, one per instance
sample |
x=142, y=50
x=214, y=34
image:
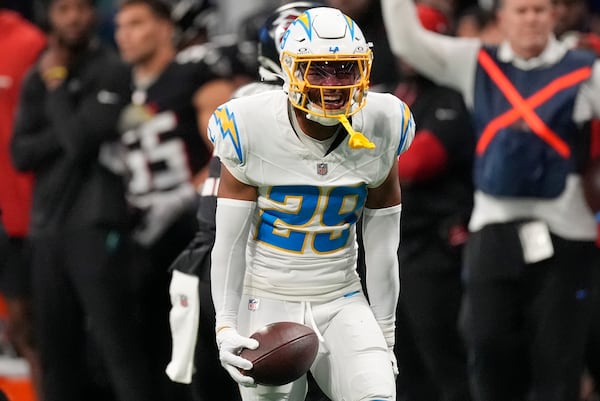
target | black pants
x=525, y=324
x=152, y=280
x=210, y=375
x=593, y=347
x=414, y=381
x=431, y=292
x=81, y=286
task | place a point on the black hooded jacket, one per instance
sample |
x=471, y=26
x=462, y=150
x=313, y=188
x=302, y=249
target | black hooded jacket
x=57, y=137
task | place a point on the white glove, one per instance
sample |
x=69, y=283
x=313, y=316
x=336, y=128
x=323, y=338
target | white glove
x=388, y=328
x=230, y=344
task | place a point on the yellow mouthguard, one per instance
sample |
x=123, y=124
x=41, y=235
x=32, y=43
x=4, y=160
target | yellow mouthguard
x=357, y=139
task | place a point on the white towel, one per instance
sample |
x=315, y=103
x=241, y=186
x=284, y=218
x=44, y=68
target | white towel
x=183, y=318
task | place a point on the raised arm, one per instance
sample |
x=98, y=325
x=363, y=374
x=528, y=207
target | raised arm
x=446, y=60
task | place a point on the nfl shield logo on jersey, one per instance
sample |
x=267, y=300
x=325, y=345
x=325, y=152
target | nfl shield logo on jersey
x=253, y=304
x=322, y=168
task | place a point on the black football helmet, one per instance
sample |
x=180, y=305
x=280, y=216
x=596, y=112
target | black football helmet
x=270, y=34
x=192, y=19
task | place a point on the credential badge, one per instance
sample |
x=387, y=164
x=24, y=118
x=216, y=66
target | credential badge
x=321, y=168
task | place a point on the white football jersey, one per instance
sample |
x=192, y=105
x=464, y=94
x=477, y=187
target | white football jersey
x=302, y=244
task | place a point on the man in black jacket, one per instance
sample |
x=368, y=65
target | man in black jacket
x=69, y=107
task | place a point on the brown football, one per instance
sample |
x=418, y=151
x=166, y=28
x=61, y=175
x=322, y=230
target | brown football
x=285, y=352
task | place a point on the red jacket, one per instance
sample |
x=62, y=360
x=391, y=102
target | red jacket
x=20, y=45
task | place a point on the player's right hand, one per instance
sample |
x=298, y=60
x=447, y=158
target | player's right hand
x=230, y=344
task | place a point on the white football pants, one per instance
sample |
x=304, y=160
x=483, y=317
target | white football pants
x=352, y=363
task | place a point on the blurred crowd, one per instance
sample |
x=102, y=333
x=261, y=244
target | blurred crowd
x=103, y=114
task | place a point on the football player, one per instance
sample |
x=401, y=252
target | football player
x=192, y=316
x=296, y=176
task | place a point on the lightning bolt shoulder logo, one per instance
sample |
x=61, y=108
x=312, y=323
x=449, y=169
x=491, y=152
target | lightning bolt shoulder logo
x=228, y=128
x=405, y=117
x=407, y=126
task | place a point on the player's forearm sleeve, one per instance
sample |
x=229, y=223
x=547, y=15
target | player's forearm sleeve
x=381, y=237
x=233, y=221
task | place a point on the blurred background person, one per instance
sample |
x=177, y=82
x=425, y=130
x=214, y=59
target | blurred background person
x=21, y=42
x=573, y=27
x=529, y=256
x=437, y=198
x=594, y=7
x=68, y=107
x=447, y=7
x=175, y=87
x=195, y=22
x=571, y=17
x=191, y=270
x=478, y=22
x=590, y=386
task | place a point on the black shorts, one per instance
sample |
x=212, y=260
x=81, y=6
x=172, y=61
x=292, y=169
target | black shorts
x=15, y=275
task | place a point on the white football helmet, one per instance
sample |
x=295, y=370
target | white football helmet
x=271, y=33
x=326, y=63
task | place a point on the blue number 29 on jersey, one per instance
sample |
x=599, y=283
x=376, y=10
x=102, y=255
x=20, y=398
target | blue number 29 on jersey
x=320, y=217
